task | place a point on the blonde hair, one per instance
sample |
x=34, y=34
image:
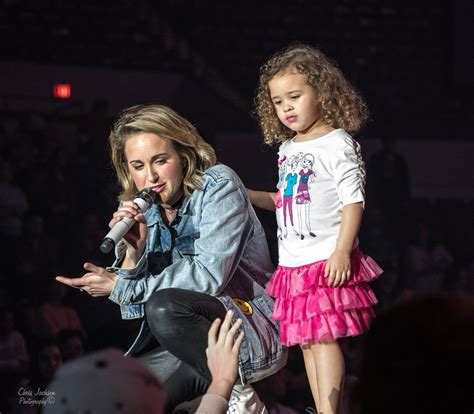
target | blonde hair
x=196, y=154
x=339, y=104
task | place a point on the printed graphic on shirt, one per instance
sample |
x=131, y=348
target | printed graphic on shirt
x=303, y=200
x=281, y=179
x=296, y=171
x=281, y=172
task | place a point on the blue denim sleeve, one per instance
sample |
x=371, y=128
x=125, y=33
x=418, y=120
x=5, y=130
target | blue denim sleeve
x=128, y=311
x=224, y=228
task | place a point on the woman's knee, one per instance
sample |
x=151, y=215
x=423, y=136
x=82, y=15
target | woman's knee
x=162, y=307
x=171, y=312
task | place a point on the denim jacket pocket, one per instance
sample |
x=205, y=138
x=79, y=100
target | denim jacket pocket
x=267, y=329
x=261, y=332
x=185, y=244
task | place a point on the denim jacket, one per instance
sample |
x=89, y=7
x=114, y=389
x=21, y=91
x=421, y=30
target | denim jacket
x=215, y=245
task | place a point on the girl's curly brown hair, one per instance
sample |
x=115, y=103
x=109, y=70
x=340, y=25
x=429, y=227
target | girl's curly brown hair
x=339, y=104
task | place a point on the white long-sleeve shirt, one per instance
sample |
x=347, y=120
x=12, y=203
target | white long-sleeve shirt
x=317, y=179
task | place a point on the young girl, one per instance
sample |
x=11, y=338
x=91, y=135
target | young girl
x=305, y=104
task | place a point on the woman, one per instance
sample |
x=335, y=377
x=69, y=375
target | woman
x=197, y=252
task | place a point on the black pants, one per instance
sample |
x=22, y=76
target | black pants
x=178, y=322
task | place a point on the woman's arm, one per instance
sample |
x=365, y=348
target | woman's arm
x=223, y=228
x=262, y=199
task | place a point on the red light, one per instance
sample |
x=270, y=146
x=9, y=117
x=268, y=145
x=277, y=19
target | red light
x=62, y=91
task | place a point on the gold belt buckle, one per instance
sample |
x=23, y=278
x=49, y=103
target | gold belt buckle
x=244, y=306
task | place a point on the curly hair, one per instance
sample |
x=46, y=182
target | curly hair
x=339, y=103
x=196, y=154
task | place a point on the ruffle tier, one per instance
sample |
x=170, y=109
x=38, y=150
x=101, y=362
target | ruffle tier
x=326, y=327
x=292, y=281
x=310, y=310
x=324, y=301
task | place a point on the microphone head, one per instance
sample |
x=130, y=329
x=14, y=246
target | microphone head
x=107, y=245
x=148, y=195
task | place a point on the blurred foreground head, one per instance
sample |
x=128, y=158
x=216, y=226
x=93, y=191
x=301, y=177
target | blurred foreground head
x=105, y=382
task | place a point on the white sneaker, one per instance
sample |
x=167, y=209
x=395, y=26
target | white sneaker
x=244, y=400
x=188, y=406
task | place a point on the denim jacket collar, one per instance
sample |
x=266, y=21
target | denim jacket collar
x=153, y=214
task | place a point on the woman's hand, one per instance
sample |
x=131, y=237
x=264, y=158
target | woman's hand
x=223, y=355
x=338, y=268
x=136, y=236
x=97, y=282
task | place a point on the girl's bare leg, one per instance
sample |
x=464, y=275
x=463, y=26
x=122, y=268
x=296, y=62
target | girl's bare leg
x=310, y=366
x=329, y=367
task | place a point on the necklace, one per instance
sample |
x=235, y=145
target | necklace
x=169, y=208
x=170, y=211
x=172, y=207
x=169, y=214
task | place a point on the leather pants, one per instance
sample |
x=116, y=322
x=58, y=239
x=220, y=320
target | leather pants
x=175, y=341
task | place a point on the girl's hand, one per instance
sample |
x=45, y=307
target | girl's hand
x=97, y=282
x=136, y=236
x=338, y=268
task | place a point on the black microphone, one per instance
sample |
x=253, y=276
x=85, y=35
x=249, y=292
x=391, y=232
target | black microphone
x=144, y=199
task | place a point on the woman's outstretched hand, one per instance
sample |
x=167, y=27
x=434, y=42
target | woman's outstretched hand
x=97, y=282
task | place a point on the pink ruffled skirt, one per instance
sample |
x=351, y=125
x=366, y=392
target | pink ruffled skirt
x=310, y=311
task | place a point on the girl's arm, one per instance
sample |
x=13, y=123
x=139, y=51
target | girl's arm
x=338, y=266
x=350, y=226
x=262, y=199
